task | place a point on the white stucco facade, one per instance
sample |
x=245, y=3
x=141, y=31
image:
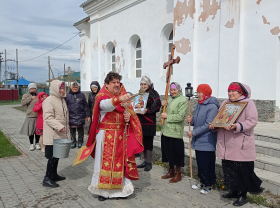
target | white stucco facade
x=219, y=41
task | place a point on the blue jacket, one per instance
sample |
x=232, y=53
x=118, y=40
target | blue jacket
x=203, y=138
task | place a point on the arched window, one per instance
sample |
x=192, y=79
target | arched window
x=138, y=59
x=113, y=59
x=170, y=44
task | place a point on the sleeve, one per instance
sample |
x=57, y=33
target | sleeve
x=89, y=107
x=178, y=117
x=193, y=118
x=212, y=112
x=37, y=107
x=251, y=115
x=156, y=106
x=26, y=99
x=106, y=105
x=48, y=115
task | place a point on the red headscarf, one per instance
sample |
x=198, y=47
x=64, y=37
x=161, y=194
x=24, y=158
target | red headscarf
x=236, y=87
x=206, y=90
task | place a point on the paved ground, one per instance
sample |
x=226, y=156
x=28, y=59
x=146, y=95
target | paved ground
x=21, y=180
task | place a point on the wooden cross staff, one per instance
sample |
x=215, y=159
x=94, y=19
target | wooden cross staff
x=169, y=64
x=125, y=105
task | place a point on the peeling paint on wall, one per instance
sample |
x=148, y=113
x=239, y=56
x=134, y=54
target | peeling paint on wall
x=82, y=48
x=84, y=76
x=230, y=24
x=183, y=46
x=265, y=20
x=275, y=30
x=208, y=29
x=122, y=51
x=118, y=59
x=103, y=48
x=123, y=63
x=208, y=10
x=258, y=2
x=115, y=43
x=181, y=12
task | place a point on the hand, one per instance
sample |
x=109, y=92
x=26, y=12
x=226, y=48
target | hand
x=164, y=103
x=126, y=117
x=189, y=119
x=88, y=119
x=211, y=127
x=63, y=130
x=33, y=97
x=231, y=127
x=125, y=98
x=145, y=111
x=190, y=134
x=164, y=115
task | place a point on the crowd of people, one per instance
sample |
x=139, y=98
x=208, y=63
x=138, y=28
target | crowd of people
x=118, y=134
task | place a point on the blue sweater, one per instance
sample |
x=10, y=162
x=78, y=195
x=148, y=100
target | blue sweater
x=203, y=138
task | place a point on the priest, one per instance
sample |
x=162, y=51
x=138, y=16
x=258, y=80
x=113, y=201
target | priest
x=114, y=165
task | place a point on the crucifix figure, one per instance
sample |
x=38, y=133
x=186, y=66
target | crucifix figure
x=169, y=64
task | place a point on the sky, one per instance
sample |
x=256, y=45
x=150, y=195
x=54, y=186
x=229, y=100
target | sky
x=35, y=27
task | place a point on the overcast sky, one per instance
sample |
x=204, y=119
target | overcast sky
x=35, y=27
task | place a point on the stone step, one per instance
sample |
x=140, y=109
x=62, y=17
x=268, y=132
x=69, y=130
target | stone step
x=267, y=148
x=271, y=180
x=267, y=138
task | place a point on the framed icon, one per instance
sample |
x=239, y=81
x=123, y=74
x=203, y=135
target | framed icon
x=140, y=103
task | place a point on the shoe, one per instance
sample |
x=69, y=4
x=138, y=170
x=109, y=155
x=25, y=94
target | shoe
x=49, y=182
x=73, y=146
x=37, y=146
x=258, y=192
x=231, y=194
x=58, y=177
x=31, y=148
x=143, y=165
x=170, y=174
x=198, y=186
x=240, y=201
x=206, y=190
x=101, y=198
x=148, y=167
x=80, y=145
x=177, y=177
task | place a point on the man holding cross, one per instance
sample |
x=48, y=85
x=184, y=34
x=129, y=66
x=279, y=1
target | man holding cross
x=114, y=165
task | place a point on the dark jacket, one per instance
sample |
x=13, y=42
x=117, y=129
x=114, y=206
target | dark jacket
x=148, y=120
x=77, y=107
x=203, y=138
x=91, y=99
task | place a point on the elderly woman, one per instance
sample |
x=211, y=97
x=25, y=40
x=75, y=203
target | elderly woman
x=148, y=121
x=29, y=126
x=236, y=148
x=172, y=144
x=203, y=139
x=56, y=126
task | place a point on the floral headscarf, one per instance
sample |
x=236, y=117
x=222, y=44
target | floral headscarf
x=178, y=86
x=236, y=87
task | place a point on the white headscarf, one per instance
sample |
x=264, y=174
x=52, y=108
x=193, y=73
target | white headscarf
x=146, y=80
x=32, y=85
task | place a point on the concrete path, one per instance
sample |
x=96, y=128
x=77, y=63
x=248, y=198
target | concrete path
x=21, y=180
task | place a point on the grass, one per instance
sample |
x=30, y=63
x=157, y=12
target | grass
x=9, y=102
x=158, y=127
x=6, y=148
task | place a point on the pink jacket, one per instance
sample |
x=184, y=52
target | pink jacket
x=239, y=145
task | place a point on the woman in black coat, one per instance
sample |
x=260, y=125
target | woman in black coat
x=148, y=121
x=95, y=88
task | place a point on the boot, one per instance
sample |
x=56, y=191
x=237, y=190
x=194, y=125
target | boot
x=170, y=174
x=177, y=177
x=143, y=165
x=240, y=201
x=231, y=194
x=49, y=182
x=148, y=167
x=101, y=198
x=56, y=177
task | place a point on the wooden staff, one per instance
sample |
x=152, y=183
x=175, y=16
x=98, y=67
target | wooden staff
x=190, y=144
x=169, y=64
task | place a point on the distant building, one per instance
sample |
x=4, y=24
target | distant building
x=22, y=83
x=69, y=79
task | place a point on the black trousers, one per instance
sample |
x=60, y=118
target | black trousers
x=206, y=167
x=148, y=142
x=81, y=134
x=52, y=162
x=31, y=138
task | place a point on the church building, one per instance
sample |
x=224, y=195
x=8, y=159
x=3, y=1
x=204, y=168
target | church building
x=218, y=41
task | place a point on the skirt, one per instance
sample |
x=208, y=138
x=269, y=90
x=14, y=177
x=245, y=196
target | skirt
x=29, y=126
x=173, y=151
x=39, y=132
x=49, y=151
x=240, y=176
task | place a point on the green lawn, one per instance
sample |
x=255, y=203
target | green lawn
x=16, y=102
x=6, y=148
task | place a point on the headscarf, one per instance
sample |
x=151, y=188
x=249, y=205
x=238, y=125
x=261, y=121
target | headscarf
x=178, y=86
x=62, y=85
x=146, y=80
x=32, y=85
x=236, y=87
x=206, y=90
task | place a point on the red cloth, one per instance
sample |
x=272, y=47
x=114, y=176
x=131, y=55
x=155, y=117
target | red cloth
x=39, y=110
x=236, y=87
x=200, y=102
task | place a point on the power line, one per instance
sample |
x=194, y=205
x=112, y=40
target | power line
x=50, y=50
x=56, y=69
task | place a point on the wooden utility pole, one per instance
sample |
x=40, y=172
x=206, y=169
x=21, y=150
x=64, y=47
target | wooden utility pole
x=17, y=68
x=5, y=74
x=64, y=73
x=0, y=69
x=49, y=71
